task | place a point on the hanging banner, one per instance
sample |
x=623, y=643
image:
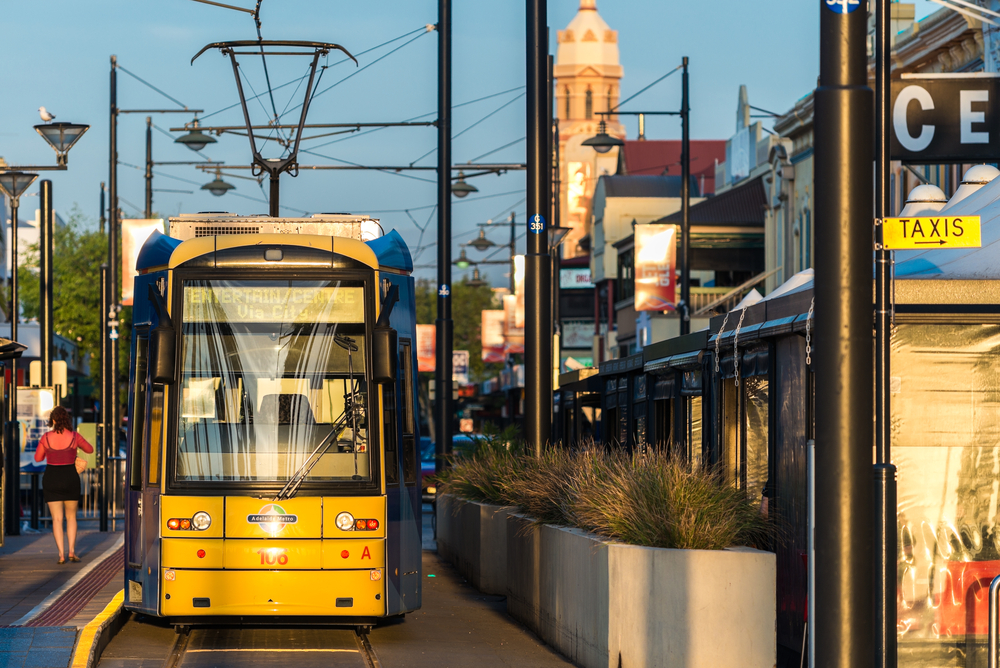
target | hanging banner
x=491, y=335
x=135, y=231
x=519, y=290
x=426, y=348
x=655, y=267
x=460, y=366
x=512, y=334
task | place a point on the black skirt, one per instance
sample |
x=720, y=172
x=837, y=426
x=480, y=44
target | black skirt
x=61, y=483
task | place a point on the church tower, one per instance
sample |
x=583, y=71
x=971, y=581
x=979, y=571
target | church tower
x=587, y=73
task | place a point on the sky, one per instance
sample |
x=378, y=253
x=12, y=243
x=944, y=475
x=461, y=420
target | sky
x=771, y=47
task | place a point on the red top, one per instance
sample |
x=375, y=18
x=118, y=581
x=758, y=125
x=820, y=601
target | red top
x=56, y=447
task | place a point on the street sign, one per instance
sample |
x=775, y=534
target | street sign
x=932, y=232
x=945, y=118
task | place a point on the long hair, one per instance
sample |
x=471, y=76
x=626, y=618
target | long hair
x=60, y=420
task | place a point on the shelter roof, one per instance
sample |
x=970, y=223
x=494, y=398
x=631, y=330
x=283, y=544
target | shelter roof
x=741, y=206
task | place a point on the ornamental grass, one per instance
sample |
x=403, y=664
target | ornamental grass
x=649, y=499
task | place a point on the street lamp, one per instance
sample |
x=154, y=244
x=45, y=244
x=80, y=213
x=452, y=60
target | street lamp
x=460, y=188
x=217, y=186
x=61, y=137
x=463, y=261
x=603, y=142
x=477, y=281
x=481, y=243
x=557, y=235
x=195, y=139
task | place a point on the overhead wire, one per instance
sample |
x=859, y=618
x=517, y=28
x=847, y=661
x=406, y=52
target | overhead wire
x=480, y=157
x=144, y=82
x=462, y=132
x=355, y=164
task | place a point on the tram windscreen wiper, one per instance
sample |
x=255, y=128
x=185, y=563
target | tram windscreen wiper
x=348, y=418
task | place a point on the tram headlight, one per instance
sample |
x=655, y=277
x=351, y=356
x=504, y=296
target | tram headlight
x=201, y=520
x=345, y=521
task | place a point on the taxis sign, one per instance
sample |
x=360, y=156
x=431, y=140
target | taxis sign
x=932, y=232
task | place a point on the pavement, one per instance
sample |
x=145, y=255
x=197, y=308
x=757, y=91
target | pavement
x=43, y=605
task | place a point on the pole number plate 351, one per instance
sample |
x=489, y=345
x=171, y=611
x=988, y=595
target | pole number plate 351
x=929, y=232
x=536, y=224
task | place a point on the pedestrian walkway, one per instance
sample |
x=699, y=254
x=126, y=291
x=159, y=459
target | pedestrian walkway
x=44, y=604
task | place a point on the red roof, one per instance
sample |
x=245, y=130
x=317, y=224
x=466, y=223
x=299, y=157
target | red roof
x=663, y=157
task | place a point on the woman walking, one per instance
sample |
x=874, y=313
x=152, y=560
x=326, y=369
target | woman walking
x=61, y=480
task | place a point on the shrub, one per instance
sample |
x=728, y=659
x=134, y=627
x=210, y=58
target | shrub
x=651, y=499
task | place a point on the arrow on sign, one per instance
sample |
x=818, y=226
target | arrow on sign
x=937, y=243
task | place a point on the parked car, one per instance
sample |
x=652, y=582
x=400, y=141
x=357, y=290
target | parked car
x=428, y=461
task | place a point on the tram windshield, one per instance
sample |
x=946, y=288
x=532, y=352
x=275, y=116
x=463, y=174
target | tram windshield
x=273, y=377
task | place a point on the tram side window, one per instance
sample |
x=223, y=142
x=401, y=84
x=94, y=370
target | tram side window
x=155, y=429
x=389, y=435
x=409, y=444
x=139, y=411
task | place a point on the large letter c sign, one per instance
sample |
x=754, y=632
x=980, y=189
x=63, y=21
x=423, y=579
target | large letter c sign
x=906, y=140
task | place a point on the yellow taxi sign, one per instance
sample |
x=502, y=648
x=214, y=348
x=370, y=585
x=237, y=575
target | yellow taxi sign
x=932, y=232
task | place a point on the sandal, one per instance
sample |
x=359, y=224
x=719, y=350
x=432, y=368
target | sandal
x=73, y=557
x=61, y=561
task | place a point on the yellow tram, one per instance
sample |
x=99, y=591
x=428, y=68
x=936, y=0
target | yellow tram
x=272, y=467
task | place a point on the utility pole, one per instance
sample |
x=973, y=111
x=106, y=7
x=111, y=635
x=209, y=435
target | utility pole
x=110, y=363
x=885, y=471
x=444, y=327
x=844, y=369
x=685, y=205
x=46, y=242
x=101, y=218
x=103, y=451
x=537, y=262
x=149, y=167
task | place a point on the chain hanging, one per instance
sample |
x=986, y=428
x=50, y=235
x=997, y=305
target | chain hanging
x=718, y=337
x=809, y=316
x=736, y=350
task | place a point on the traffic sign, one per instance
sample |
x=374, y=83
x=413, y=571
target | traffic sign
x=932, y=232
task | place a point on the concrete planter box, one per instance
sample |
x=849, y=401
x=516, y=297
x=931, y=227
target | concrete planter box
x=473, y=537
x=604, y=604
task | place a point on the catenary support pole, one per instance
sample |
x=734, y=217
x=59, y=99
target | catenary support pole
x=149, y=167
x=275, y=197
x=537, y=262
x=885, y=472
x=843, y=357
x=110, y=363
x=444, y=405
x=104, y=452
x=685, y=204
x=101, y=219
x=46, y=243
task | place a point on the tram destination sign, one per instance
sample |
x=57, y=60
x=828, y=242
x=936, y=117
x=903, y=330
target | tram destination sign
x=945, y=118
x=932, y=232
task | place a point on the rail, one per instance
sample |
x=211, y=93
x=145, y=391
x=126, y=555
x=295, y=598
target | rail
x=994, y=624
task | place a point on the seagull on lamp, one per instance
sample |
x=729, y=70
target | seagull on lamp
x=45, y=115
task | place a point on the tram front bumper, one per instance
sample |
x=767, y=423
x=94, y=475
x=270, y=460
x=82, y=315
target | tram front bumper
x=347, y=593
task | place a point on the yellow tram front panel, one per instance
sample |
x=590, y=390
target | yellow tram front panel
x=354, y=553
x=280, y=555
x=354, y=593
x=300, y=517
x=360, y=508
x=193, y=553
x=185, y=508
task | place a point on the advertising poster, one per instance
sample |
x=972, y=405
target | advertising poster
x=135, y=231
x=460, y=366
x=426, y=347
x=655, y=267
x=513, y=334
x=491, y=333
x=33, y=407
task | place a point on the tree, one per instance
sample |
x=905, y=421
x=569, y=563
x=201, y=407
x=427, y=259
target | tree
x=79, y=251
x=467, y=305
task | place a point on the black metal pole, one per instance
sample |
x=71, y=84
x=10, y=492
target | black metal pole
x=685, y=204
x=537, y=263
x=885, y=471
x=104, y=451
x=14, y=433
x=843, y=358
x=149, y=167
x=111, y=361
x=46, y=243
x=275, y=194
x=444, y=327
x=554, y=211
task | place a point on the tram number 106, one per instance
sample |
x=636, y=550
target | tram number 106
x=270, y=556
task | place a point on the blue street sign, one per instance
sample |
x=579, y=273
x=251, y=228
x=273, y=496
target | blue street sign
x=842, y=6
x=537, y=224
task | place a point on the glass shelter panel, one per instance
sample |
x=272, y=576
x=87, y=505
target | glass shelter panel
x=272, y=371
x=945, y=394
